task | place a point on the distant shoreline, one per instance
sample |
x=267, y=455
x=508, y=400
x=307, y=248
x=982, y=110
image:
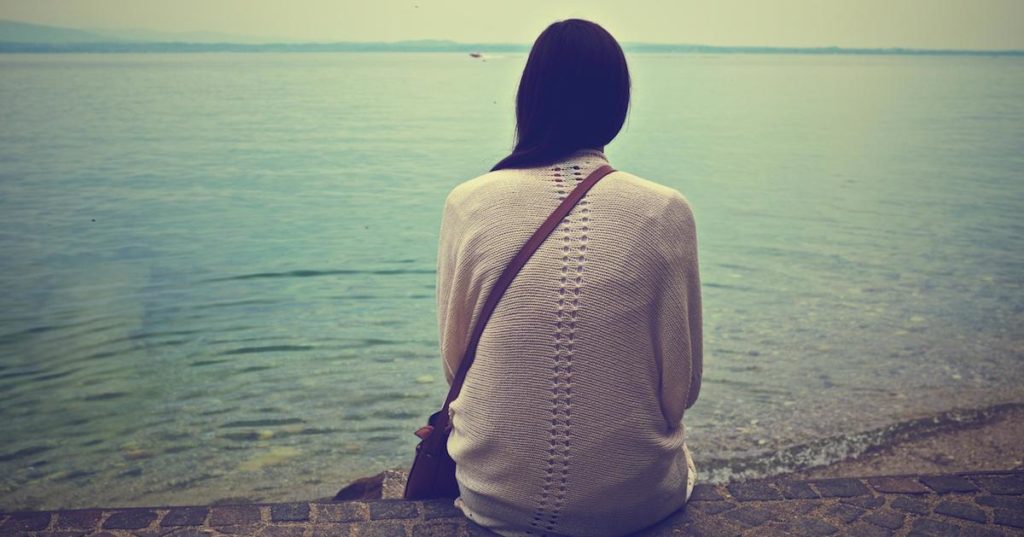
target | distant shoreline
x=453, y=47
x=19, y=36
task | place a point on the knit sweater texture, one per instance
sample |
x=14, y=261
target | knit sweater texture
x=570, y=421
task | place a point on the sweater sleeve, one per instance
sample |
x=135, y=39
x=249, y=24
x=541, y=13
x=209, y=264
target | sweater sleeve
x=678, y=312
x=450, y=314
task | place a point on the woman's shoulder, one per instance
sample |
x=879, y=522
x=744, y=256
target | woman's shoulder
x=648, y=191
x=472, y=188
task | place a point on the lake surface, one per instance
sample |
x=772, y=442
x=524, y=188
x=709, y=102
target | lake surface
x=218, y=269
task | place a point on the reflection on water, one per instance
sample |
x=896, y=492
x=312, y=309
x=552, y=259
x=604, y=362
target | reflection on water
x=218, y=270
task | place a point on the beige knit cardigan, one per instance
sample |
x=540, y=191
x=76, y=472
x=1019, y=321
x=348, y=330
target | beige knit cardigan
x=570, y=419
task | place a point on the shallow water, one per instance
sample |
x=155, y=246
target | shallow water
x=218, y=269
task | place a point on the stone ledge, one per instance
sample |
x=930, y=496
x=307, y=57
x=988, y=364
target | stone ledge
x=965, y=504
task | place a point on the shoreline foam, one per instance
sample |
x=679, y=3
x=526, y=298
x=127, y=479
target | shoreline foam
x=837, y=450
x=993, y=444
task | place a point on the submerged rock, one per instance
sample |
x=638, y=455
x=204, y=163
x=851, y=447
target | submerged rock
x=272, y=456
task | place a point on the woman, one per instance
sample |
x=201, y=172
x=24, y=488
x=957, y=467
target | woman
x=570, y=419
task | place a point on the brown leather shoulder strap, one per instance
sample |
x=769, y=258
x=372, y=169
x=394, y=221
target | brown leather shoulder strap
x=509, y=274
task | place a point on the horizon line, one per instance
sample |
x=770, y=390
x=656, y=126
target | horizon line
x=106, y=40
x=447, y=45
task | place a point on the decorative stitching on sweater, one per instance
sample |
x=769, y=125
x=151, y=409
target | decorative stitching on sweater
x=572, y=237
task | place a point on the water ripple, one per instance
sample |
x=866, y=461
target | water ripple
x=269, y=348
x=26, y=452
x=316, y=273
x=268, y=422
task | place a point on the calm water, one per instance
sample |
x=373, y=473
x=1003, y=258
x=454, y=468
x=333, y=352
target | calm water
x=218, y=270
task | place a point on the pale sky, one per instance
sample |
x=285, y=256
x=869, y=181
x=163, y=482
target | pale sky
x=968, y=24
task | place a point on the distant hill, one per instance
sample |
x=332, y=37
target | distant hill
x=23, y=32
x=136, y=35
x=26, y=37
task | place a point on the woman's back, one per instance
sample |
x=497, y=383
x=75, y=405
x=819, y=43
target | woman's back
x=569, y=422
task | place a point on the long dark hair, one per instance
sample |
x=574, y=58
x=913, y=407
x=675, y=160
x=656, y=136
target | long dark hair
x=574, y=94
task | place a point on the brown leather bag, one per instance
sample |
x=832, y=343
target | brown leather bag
x=433, y=471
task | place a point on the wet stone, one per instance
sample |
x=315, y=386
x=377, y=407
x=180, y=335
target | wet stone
x=189, y=532
x=863, y=529
x=30, y=521
x=911, y=505
x=699, y=528
x=1009, y=518
x=776, y=530
x=79, y=519
x=150, y=532
x=868, y=502
x=844, y=512
x=129, y=519
x=927, y=526
x=159, y=531
x=289, y=512
x=185, y=516
x=1009, y=484
x=948, y=483
x=705, y=493
x=342, y=512
x=389, y=529
x=796, y=490
x=801, y=508
x=433, y=509
x=841, y=488
x=334, y=530
x=885, y=518
x=710, y=508
x=1001, y=502
x=754, y=490
x=981, y=531
x=283, y=531
x=810, y=526
x=435, y=529
x=961, y=510
x=387, y=509
x=234, y=515
x=897, y=485
x=238, y=529
x=751, y=516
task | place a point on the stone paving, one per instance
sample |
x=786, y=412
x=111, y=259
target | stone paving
x=969, y=504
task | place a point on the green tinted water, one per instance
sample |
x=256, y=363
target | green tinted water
x=218, y=269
